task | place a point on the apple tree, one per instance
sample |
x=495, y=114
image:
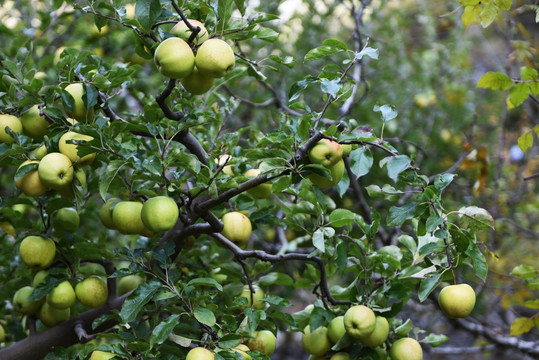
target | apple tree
x=194, y=178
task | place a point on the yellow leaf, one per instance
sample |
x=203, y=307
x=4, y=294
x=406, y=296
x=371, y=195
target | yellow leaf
x=532, y=304
x=521, y=326
x=8, y=228
x=470, y=15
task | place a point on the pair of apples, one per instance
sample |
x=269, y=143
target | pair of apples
x=329, y=154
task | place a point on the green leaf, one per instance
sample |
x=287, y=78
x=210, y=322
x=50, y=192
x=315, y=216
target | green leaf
x=398, y=215
x=330, y=87
x=479, y=263
x=524, y=271
x=224, y=11
x=528, y=73
x=409, y=242
x=470, y=15
x=320, y=52
x=147, y=12
x=110, y=173
x=476, y=217
x=335, y=43
x=12, y=68
x=205, y=316
x=504, y=4
x=435, y=340
x=276, y=278
x=428, y=285
x=469, y=2
x=205, y=282
x=361, y=161
x=521, y=326
x=387, y=191
x=163, y=329
x=443, y=181
x=368, y=51
x=519, y=93
x=298, y=87
x=388, y=112
x=341, y=217
x=532, y=304
x=495, y=81
x=396, y=165
x=136, y=301
x=433, y=222
x=525, y=141
x=488, y=14
x=318, y=240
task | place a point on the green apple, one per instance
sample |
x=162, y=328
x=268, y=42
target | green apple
x=340, y=356
x=359, y=321
x=174, y=58
x=215, y=58
x=317, y=342
x=23, y=305
x=196, y=83
x=457, y=301
x=225, y=159
x=346, y=149
x=13, y=123
x=199, y=353
x=105, y=213
x=40, y=277
x=128, y=283
x=33, y=124
x=336, y=329
x=92, y=292
x=182, y=31
x=261, y=191
x=80, y=175
x=379, y=335
x=263, y=341
x=406, y=349
x=382, y=353
x=160, y=213
x=126, y=217
x=101, y=355
x=66, y=219
x=71, y=150
x=237, y=227
x=258, y=295
x=39, y=152
x=76, y=90
x=336, y=172
x=37, y=252
x=62, y=296
x=326, y=152
x=51, y=316
x=92, y=268
x=55, y=171
x=30, y=183
x=3, y=335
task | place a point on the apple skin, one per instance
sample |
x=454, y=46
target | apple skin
x=174, y=58
x=457, y=301
x=3, y=334
x=40, y=277
x=62, y=296
x=336, y=172
x=182, y=31
x=66, y=219
x=13, y=123
x=261, y=191
x=379, y=335
x=34, y=125
x=215, y=58
x=336, y=329
x=105, y=213
x=71, y=150
x=50, y=316
x=101, y=355
x=257, y=296
x=359, y=321
x=225, y=159
x=126, y=217
x=340, y=356
x=160, y=213
x=37, y=252
x=92, y=292
x=39, y=152
x=406, y=349
x=23, y=305
x=263, y=341
x=326, y=152
x=55, y=171
x=317, y=342
x=199, y=353
x=346, y=149
x=196, y=83
x=30, y=183
x=129, y=283
x=68, y=191
x=237, y=227
x=76, y=90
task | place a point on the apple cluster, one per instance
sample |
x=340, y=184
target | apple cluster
x=328, y=153
x=197, y=70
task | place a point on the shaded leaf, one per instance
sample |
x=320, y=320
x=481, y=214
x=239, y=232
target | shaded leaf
x=341, y=217
x=205, y=282
x=163, y=329
x=524, y=271
x=398, y=215
x=205, y=316
x=136, y=301
x=147, y=11
x=521, y=326
x=388, y=112
x=476, y=217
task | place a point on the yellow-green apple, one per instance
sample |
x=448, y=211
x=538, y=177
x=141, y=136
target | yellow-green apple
x=174, y=58
x=261, y=191
x=62, y=296
x=92, y=292
x=33, y=124
x=80, y=175
x=40, y=277
x=197, y=83
x=326, y=152
x=182, y=31
x=258, y=295
x=215, y=58
x=379, y=335
x=101, y=355
x=39, y=152
x=336, y=329
x=66, y=219
x=340, y=356
x=51, y=316
x=72, y=151
x=159, y=213
x=76, y=90
x=37, y=252
x=105, y=213
x=128, y=283
x=3, y=334
x=359, y=321
x=225, y=159
x=30, y=183
x=237, y=227
x=346, y=149
x=457, y=301
x=406, y=349
x=11, y=122
x=317, y=342
x=336, y=172
x=55, y=170
x=126, y=217
x=22, y=304
x=199, y=353
x=242, y=349
x=263, y=341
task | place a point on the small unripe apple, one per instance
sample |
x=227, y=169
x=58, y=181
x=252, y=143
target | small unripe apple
x=326, y=152
x=62, y=296
x=72, y=151
x=33, y=124
x=317, y=342
x=37, y=252
x=30, y=183
x=406, y=349
x=79, y=112
x=199, y=353
x=22, y=304
x=261, y=191
x=215, y=58
x=105, y=213
x=66, y=219
x=359, y=321
x=258, y=294
x=197, y=83
x=263, y=341
x=336, y=329
x=379, y=335
x=11, y=122
x=126, y=217
x=174, y=58
x=51, y=316
x=336, y=172
x=237, y=227
x=182, y=31
x=92, y=292
x=159, y=213
x=457, y=301
x=55, y=171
